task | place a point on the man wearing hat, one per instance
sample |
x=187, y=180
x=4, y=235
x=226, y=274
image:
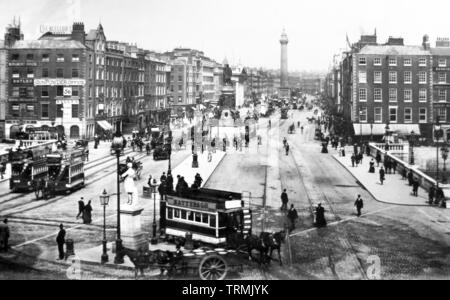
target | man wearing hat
x=80, y=207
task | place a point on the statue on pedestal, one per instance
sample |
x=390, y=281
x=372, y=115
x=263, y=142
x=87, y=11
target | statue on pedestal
x=130, y=187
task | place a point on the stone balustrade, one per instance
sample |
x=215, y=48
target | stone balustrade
x=426, y=182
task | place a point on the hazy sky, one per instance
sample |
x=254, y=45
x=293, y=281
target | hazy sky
x=245, y=31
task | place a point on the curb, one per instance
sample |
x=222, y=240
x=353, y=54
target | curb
x=373, y=196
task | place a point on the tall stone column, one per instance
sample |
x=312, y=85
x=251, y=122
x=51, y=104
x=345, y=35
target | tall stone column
x=284, y=82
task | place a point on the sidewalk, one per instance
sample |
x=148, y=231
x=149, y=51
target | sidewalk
x=393, y=191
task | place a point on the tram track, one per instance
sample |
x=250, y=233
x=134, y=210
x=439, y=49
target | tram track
x=320, y=194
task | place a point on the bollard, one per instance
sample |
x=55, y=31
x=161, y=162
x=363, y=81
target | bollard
x=70, y=250
x=195, y=160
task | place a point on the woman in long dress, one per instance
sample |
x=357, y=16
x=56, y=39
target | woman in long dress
x=129, y=182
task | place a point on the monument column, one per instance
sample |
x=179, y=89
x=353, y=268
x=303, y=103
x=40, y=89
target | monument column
x=284, y=80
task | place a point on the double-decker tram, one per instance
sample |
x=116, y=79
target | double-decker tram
x=66, y=171
x=27, y=168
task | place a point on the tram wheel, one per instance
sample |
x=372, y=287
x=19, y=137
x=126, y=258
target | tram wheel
x=213, y=267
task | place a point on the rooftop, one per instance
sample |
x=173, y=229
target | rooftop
x=394, y=50
x=49, y=44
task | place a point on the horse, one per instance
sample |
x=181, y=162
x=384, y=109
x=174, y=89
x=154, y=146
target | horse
x=273, y=242
x=265, y=244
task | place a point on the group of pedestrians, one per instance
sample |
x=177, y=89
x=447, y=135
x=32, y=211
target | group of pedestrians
x=85, y=211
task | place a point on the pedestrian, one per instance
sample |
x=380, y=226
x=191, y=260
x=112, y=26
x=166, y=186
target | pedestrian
x=302, y=129
x=353, y=158
x=213, y=145
x=320, y=216
x=148, y=149
x=80, y=208
x=343, y=152
x=61, y=240
x=378, y=158
x=4, y=235
x=163, y=177
x=179, y=187
x=415, y=187
x=382, y=175
x=359, y=204
x=410, y=178
x=198, y=179
x=169, y=183
x=224, y=141
x=298, y=124
x=394, y=165
x=162, y=190
x=284, y=200
x=287, y=149
x=292, y=216
x=284, y=142
x=431, y=194
x=372, y=166
x=87, y=213
x=404, y=173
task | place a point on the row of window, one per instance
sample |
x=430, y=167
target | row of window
x=30, y=108
x=393, y=95
x=45, y=57
x=61, y=91
x=393, y=114
x=45, y=73
x=191, y=217
x=392, y=61
x=393, y=77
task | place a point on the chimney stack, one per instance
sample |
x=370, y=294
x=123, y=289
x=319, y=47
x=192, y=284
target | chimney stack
x=442, y=43
x=78, y=33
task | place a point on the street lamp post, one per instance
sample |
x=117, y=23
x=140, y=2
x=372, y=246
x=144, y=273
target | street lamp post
x=154, y=186
x=170, y=102
x=437, y=135
x=371, y=132
x=104, y=201
x=412, y=140
x=117, y=145
x=387, y=137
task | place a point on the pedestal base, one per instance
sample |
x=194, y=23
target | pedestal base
x=133, y=237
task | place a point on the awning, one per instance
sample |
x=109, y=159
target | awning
x=105, y=125
x=380, y=129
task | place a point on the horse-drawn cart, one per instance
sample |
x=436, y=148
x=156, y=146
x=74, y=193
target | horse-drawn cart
x=204, y=263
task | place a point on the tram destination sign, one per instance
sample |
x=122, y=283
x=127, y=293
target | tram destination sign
x=192, y=204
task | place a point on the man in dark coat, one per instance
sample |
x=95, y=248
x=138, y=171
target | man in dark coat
x=61, y=240
x=394, y=166
x=359, y=204
x=292, y=216
x=415, y=187
x=87, y=213
x=198, y=180
x=431, y=195
x=378, y=158
x=163, y=177
x=287, y=149
x=320, y=216
x=353, y=158
x=284, y=200
x=162, y=190
x=169, y=183
x=382, y=175
x=80, y=207
x=410, y=178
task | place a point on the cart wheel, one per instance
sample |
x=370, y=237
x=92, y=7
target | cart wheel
x=213, y=267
